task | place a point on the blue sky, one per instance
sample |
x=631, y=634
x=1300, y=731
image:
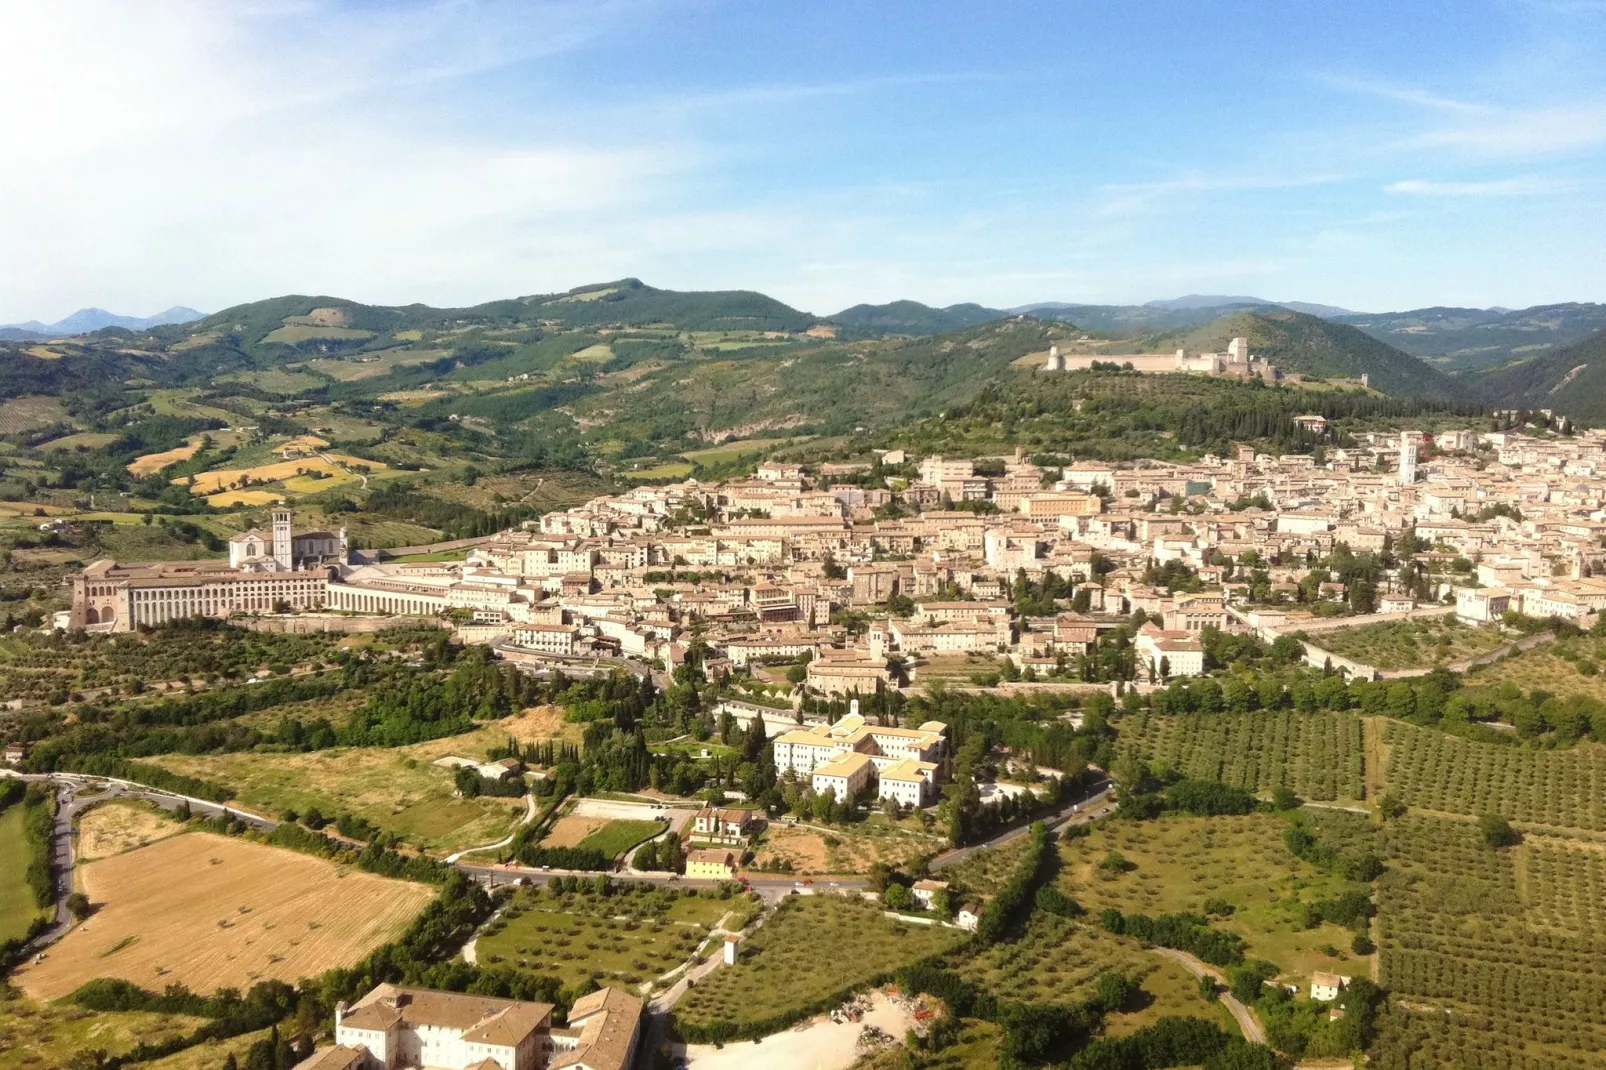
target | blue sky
x=1371, y=155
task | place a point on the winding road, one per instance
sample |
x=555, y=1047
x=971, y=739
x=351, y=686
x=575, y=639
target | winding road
x=1248, y=1023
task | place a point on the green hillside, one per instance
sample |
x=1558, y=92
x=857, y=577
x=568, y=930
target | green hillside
x=1570, y=380
x=1296, y=342
x=911, y=317
x=1469, y=339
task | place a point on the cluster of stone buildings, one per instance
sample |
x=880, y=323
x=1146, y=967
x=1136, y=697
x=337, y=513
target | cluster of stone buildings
x=796, y=565
x=394, y=1027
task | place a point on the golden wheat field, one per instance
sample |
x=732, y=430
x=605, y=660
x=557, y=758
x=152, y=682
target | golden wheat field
x=212, y=911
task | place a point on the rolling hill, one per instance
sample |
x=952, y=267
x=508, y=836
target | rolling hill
x=1571, y=379
x=911, y=317
x=1297, y=342
x=1470, y=339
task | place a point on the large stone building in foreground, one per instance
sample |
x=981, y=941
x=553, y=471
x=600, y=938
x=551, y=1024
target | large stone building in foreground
x=266, y=570
x=393, y=1028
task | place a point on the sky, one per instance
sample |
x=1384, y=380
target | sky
x=1372, y=154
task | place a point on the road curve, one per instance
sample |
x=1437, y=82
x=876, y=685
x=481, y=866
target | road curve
x=1248, y=1023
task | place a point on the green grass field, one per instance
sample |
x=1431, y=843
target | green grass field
x=40, y=1036
x=278, y=380
x=1178, y=862
x=398, y=790
x=291, y=333
x=617, y=837
x=17, y=908
x=813, y=947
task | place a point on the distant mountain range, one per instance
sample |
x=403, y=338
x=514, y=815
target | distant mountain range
x=1471, y=339
x=87, y=320
x=1544, y=357
x=1456, y=340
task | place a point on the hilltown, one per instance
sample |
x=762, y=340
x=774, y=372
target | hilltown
x=809, y=574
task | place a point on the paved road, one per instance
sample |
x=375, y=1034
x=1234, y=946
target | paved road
x=1098, y=802
x=77, y=791
x=1248, y=1023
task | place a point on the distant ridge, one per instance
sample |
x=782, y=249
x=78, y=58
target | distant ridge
x=912, y=317
x=1570, y=379
x=86, y=320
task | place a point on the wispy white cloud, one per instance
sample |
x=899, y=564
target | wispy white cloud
x=1524, y=186
x=1139, y=198
x=1436, y=121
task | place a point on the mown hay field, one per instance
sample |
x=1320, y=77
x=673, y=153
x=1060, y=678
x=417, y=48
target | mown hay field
x=119, y=826
x=213, y=911
x=151, y=463
x=222, y=479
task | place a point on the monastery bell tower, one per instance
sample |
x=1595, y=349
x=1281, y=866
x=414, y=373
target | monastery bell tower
x=281, y=538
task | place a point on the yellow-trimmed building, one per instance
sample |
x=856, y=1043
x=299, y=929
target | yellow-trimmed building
x=711, y=865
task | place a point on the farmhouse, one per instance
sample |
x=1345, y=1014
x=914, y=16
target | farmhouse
x=1326, y=987
x=711, y=865
x=726, y=824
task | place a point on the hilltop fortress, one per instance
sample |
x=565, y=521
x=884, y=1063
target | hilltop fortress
x=1237, y=361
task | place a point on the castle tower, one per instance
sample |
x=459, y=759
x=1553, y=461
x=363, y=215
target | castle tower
x=281, y=538
x=1238, y=351
x=1409, y=441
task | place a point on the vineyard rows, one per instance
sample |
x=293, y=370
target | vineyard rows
x=1430, y=770
x=1458, y=933
x=1318, y=755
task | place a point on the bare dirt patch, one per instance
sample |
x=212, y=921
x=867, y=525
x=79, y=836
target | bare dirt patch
x=569, y=831
x=804, y=848
x=212, y=911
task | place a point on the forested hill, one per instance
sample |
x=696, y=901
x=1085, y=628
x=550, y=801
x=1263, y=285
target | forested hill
x=1470, y=339
x=911, y=317
x=291, y=321
x=1296, y=342
x=1125, y=416
x=1570, y=380
x=830, y=388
